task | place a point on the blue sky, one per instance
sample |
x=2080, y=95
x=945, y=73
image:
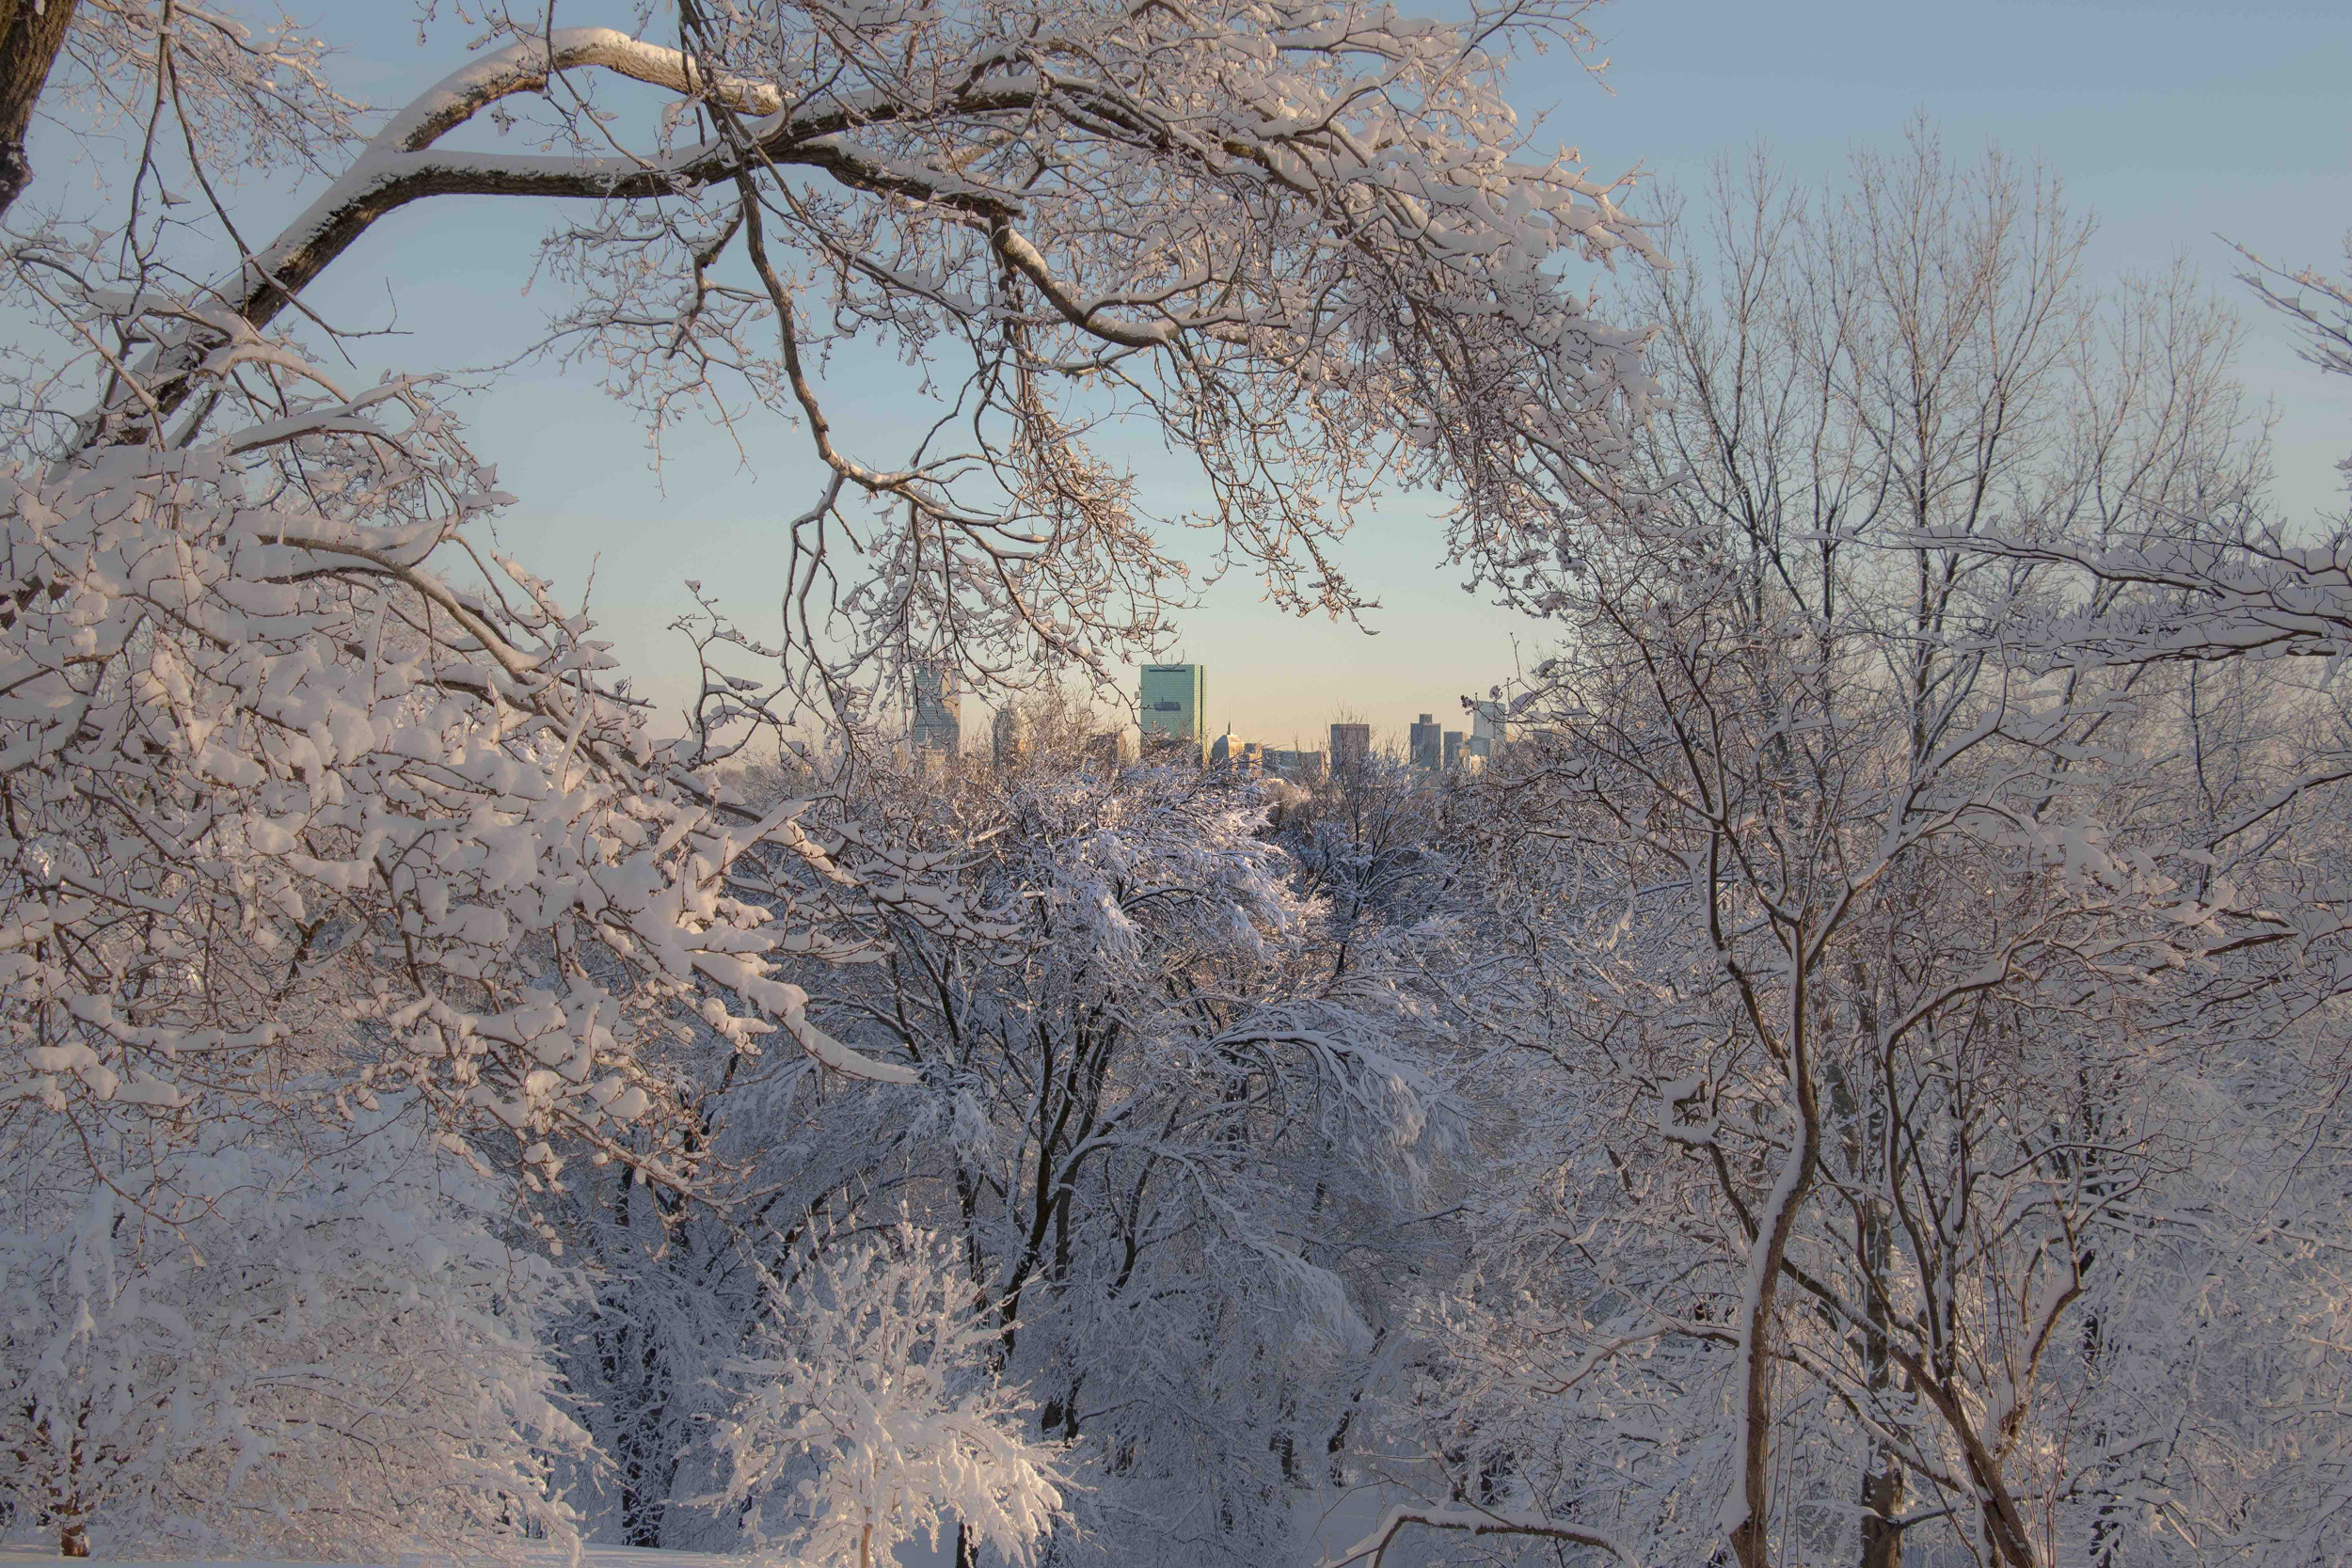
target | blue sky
x=2178, y=124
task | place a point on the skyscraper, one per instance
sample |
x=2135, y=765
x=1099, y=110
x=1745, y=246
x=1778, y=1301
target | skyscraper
x=1351, y=748
x=938, y=710
x=1427, y=743
x=1172, y=703
x=1453, y=749
x=1486, y=722
x=1011, y=736
x=1110, y=749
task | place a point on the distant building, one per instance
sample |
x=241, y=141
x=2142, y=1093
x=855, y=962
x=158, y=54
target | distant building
x=1012, y=736
x=1478, y=748
x=1487, y=724
x=1452, y=749
x=938, y=710
x=1297, y=767
x=1427, y=743
x=1111, y=748
x=1247, y=758
x=1351, y=747
x=1172, y=702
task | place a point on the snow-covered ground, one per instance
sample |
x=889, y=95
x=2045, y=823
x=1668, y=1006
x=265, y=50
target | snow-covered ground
x=590, y=1557
x=1327, y=1523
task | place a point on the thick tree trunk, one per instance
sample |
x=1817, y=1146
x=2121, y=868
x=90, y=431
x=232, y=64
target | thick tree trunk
x=1747, y=1521
x=2007, y=1539
x=1749, y=1535
x=1883, y=1476
x=31, y=33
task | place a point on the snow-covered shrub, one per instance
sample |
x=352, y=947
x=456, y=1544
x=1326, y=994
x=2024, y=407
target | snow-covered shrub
x=321, y=1354
x=872, y=1413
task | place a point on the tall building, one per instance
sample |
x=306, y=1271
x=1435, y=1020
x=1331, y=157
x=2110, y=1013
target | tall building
x=1011, y=736
x=1453, y=749
x=938, y=710
x=1110, y=749
x=1351, y=747
x=1173, y=703
x=1486, y=723
x=1427, y=743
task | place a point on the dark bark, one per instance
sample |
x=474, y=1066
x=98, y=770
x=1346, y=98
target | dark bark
x=31, y=33
x=1882, y=1479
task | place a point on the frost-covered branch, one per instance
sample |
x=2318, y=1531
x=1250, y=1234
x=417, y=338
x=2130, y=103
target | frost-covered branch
x=1374, y=1548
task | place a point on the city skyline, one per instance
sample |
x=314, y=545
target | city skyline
x=1170, y=701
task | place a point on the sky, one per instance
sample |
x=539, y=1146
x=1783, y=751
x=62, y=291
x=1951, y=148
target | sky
x=2183, y=126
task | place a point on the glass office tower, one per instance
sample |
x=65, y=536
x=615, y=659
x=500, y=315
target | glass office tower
x=1173, y=707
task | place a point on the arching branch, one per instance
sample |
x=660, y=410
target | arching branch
x=1373, y=1549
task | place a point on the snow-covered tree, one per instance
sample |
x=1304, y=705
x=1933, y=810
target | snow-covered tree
x=1867, y=946
x=870, y=1411
x=320, y=1352
x=1184, y=1122
x=1311, y=244
x=1179, y=1143
x=300, y=781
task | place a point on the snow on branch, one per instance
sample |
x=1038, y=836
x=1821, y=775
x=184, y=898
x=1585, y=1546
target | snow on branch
x=1374, y=1548
x=307, y=795
x=1312, y=244
x=876, y=1374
